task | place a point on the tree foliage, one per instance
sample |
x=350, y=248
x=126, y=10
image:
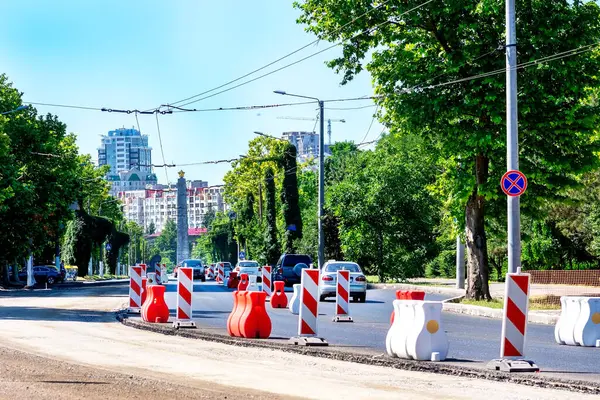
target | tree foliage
x=413, y=53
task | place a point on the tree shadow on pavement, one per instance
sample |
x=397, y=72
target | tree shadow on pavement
x=20, y=313
x=101, y=291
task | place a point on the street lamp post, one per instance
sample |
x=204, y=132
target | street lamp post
x=321, y=252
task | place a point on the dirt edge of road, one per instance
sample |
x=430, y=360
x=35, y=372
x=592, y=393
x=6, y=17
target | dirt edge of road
x=363, y=357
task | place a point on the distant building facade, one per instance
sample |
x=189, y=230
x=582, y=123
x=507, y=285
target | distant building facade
x=158, y=204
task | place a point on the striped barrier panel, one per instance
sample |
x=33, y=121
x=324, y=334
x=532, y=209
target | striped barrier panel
x=266, y=281
x=309, y=310
x=342, y=297
x=185, y=290
x=514, y=326
x=135, y=289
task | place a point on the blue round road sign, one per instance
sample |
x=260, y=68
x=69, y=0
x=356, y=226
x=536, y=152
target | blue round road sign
x=513, y=183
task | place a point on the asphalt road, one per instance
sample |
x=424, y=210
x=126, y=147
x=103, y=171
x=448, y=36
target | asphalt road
x=471, y=338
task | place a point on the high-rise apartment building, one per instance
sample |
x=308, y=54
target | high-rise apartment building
x=127, y=153
x=124, y=149
x=306, y=143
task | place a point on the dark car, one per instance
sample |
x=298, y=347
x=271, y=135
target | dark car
x=198, y=267
x=43, y=274
x=286, y=269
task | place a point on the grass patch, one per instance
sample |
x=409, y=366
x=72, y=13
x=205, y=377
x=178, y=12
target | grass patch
x=535, y=303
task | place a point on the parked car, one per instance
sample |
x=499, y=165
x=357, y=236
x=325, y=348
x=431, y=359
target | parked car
x=289, y=268
x=198, y=267
x=43, y=274
x=250, y=268
x=358, y=281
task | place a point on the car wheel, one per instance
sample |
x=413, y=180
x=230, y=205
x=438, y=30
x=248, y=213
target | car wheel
x=362, y=299
x=51, y=280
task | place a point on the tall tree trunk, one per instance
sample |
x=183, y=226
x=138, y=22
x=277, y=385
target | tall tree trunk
x=476, y=243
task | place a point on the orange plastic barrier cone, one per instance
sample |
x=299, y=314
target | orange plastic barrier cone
x=255, y=322
x=155, y=308
x=233, y=281
x=244, y=282
x=279, y=299
x=233, y=322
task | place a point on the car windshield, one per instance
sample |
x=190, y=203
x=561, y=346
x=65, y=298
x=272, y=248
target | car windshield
x=192, y=263
x=248, y=264
x=346, y=267
x=292, y=260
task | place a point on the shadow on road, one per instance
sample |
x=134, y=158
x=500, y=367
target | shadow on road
x=58, y=291
x=19, y=313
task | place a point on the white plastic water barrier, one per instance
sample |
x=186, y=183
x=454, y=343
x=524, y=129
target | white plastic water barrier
x=417, y=331
x=579, y=322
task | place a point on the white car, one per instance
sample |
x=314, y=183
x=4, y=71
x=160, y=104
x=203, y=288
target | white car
x=250, y=268
x=358, y=281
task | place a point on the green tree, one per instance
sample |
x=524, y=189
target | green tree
x=166, y=243
x=387, y=216
x=151, y=228
x=272, y=251
x=414, y=51
x=289, y=199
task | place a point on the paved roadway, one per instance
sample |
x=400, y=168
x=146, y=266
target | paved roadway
x=471, y=338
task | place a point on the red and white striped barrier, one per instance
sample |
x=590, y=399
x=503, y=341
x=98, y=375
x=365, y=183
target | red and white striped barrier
x=266, y=281
x=158, y=274
x=143, y=266
x=221, y=273
x=514, y=325
x=135, y=289
x=309, y=310
x=342, y=297
x=185, y=290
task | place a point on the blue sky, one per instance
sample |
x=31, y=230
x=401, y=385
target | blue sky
x=138, y=54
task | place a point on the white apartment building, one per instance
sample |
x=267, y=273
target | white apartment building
x=159, y=204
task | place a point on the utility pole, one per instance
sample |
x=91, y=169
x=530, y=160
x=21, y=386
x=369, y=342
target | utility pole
x=321, y=253
x=512, y=137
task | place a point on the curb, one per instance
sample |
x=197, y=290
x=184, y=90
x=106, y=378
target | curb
x=423, y=288
x=497, y=313
x=369, y=358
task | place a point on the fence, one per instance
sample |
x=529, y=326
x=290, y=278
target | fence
x=547, y=287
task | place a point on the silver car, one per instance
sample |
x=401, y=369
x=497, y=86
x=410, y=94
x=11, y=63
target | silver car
x=328, y=281
x=250, y=268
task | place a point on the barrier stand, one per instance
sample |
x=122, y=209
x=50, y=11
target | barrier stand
x=266, y=281
x=185, y=289
x=514, y=326
x=135, y=289
x=309, y=311
x=342, y=297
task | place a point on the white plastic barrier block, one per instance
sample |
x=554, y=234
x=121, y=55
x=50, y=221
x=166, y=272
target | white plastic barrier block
x=252, y=285
x=587, y=326
x=579, y=322
x=417, y=331
x=294, y=305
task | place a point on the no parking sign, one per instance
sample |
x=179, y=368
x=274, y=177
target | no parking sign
x=513, y=183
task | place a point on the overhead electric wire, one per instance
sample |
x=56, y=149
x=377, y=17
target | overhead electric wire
x=297, y=61
x=281, y=58
x=162, y=149
x=371, y=124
